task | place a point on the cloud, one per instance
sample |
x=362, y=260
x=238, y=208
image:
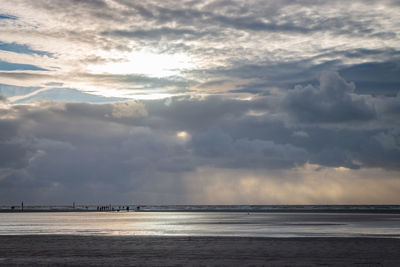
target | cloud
x=128, y=110
x=269, y=89
x=131, y=151
x=375, y=78
x=332, y=101
x=306, y=185
x=78, y=145
x=62, y=94
x=157, y=34
x=245, y=153
x=268, y=44
x=3, y=98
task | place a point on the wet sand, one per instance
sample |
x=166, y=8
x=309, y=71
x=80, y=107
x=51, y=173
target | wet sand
x=43, y=250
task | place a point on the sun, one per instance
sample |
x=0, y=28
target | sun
x=146, y=63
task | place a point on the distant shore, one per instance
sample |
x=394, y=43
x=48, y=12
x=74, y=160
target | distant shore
x=45, y=250
x=233, y=211
x=393, y=209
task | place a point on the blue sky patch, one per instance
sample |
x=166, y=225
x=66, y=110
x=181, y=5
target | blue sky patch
x=12, y=90
x=4, y=65
x=5, y=16
x=23, y=49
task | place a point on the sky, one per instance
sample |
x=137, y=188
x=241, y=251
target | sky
x=199, y=102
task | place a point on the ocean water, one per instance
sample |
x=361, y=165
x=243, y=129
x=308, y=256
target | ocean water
x=249, y=224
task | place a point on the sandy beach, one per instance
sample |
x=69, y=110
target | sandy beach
x=40, y=250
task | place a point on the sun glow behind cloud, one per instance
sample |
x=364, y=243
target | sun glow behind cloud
x=146, y=63
x=124, y=93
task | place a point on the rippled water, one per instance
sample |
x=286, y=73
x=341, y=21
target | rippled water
x=202, y=224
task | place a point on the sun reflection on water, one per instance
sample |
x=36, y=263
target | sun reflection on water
x=201, y=224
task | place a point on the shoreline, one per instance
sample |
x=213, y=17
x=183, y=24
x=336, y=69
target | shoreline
x=366, y=211
x=373, y=209
x=36, y=250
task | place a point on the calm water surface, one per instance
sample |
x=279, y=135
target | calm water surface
x=202, y=224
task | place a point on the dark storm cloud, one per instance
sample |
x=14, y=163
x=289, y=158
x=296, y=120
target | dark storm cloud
x=390, y=106
x=377, y=78
x=195, y=114
x=85, y=144
x=373, y=78
x=332, y=101
x=13, y=155
x=361, y=53
x=283, y=75
x=128, y=146
x=14, y=152
x=244, y=153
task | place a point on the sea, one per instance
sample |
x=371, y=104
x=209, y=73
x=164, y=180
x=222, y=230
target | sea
x=245, y=221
